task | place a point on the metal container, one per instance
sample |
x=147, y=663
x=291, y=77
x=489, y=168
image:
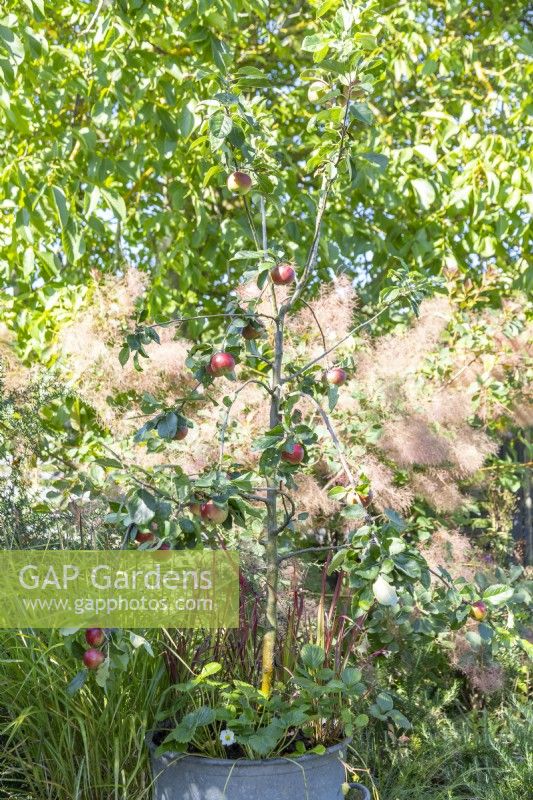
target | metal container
x=308, y=777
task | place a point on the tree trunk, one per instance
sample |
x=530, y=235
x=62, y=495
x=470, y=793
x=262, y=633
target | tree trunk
x=271, y=544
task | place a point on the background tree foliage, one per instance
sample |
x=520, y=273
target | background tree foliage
x=118, y=118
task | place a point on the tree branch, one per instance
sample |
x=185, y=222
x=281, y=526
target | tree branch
x=181, y=320
x=441, y=578
x=301, y=371
x=297, y=553
x=319, y=326
x=335, y=438
x=289, y=515
x=313, y=250
x=141, y=483
x=251, y=223
x=93, y=19
x=228, y=412
x=265, y=248
x=327, y=183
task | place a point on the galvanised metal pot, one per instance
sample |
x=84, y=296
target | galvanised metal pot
x=308, y=777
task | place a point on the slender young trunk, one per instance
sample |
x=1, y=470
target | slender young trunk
x=527, y=501
x=271, y=544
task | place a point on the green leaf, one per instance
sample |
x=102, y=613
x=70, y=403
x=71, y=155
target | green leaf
x=337, y=492
x=265, y=739
x=91, y=201
x=319, y=55
x=115, y=203
x=326, y=6
x=200, y=717
x=365, y=40
x=250, y=77
x=102, y=673
x=376, y=158
x=77, y=682
x=498, y=593
x=314, y=42
x=337, y=561
x=35, y=4
x=354, y=512
x=384, y=702
x=110, y=463
x=210, y=669
x=333, y=397
x=28, y=262
x=426, y=152
x=362, y=112
x=242, y=255
x=526, y=46
x=72, y=242
x=398, y=718
x=221, y=54
x=141, y=507
x=312, y=656
x=211, y=172
x=424, y=191
x=186, y=525
x=409, y=566
x=124, y=355
x=351, y=675
x=527, y=647
x=384, y=592
x=167, y=426
x=61, y=205
x=185, y=122
x=485, y=631
x=395, y=519
x=12, y=43
x=220, y=125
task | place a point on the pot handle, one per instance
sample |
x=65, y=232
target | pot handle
x=363, y=791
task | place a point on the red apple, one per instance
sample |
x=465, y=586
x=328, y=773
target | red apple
x=282, y=274
x=239, y=182
x=478, y=610
x=164, y=546
x=293, y=453
x=144, y=536
x=214, y=513
x=336, y=376
x=93, y=658
x=221, y=364
x=94, y=636
x=251, y=332
x=181, y=433
x=195, y=509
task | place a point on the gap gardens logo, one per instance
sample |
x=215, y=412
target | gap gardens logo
x=150, y=589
